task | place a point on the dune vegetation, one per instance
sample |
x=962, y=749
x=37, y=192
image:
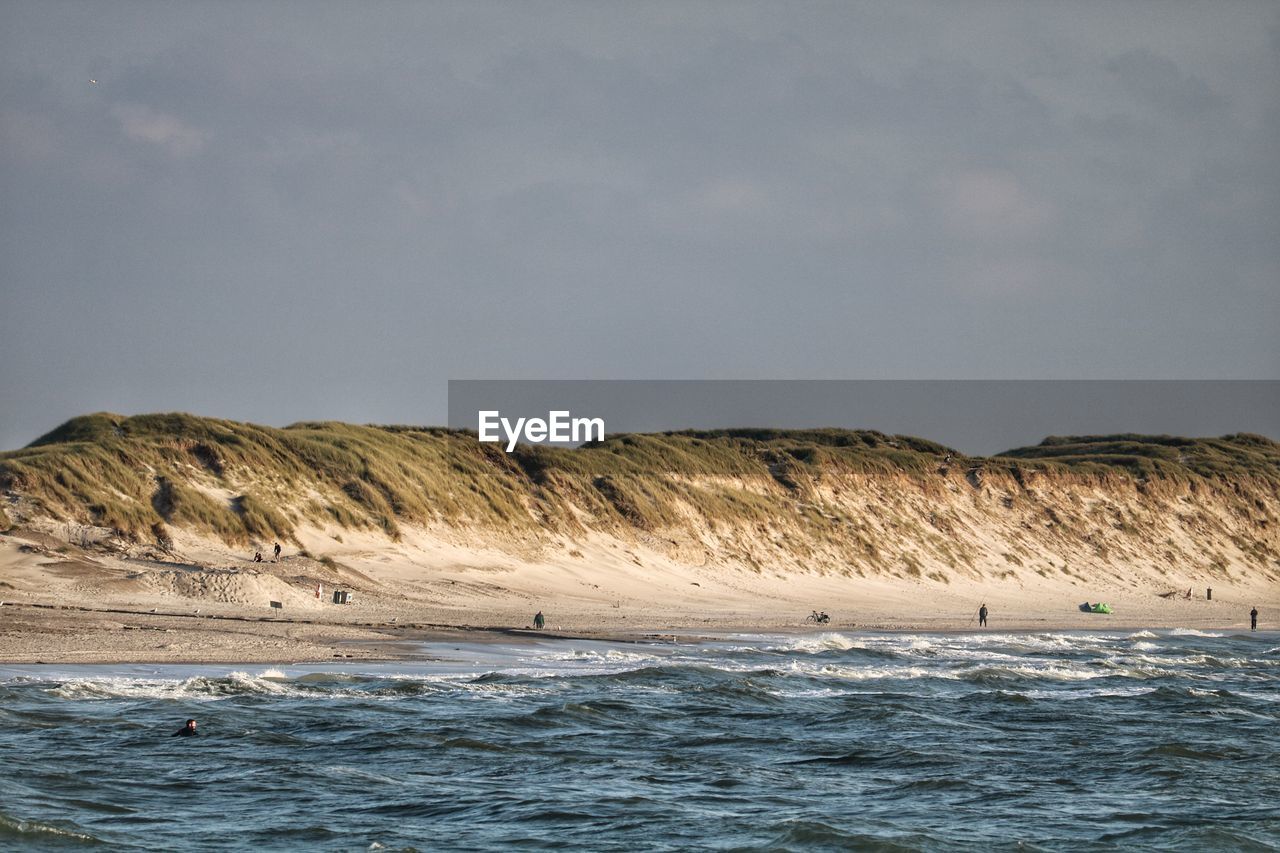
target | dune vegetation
x=860, y=499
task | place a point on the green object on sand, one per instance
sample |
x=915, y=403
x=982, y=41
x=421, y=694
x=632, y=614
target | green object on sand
x=1101, y=608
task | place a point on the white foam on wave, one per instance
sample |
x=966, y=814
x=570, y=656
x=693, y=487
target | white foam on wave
x=1141, y=667
x=1150, y=662
x=1022, y=644
x=1088, y=693
x=1048, y=671
x=588, y=657
x=827, y=692
x=978, y=655
x=958, y=670
x=274, y=683
x=875, y=673
x=546, y=670
x=196, y=688
x=1068, y=642
x=815, y=644
x=1200, y=693
x=1192, y=632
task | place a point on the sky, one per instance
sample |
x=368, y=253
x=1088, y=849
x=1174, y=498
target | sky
x=279, y=211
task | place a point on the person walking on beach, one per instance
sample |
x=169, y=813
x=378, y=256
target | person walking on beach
x=538, y=621
x=189, y=730
x=982, y=615
x=276, y=558
x=1253, y=619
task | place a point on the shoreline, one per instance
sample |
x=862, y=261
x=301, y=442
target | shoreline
x=208, y=639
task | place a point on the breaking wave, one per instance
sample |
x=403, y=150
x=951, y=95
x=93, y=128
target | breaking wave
x=625, y=746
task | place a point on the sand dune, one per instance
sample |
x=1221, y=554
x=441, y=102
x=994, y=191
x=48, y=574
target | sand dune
x=640, y=534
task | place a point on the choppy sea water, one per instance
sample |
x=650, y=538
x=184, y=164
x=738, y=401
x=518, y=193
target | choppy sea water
x=1148, y=740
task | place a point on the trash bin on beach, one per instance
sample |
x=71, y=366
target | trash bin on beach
x=341, y=596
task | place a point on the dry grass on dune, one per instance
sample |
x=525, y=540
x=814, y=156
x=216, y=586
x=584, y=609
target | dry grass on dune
x=861, y=499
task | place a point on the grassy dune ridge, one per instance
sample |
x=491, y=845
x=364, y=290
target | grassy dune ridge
x=802, y=499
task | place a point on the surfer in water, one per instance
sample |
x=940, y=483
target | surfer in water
x=189, y=730
x=982, y=616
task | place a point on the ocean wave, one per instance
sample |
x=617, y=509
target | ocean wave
x=1043, y=672
x=342, y=771
x=681, y=747
x=798, y=834
x=1090, y=693
x=873, y=673
x=26, y=832
x=274, y=683
x=815, y=644
x=612, y=657
x=1183, y=750
x=196, y=688
x=830, y=657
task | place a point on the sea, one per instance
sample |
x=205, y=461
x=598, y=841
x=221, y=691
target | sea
x=1147, y=740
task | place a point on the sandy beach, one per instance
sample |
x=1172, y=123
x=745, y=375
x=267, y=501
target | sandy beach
x=64, y=604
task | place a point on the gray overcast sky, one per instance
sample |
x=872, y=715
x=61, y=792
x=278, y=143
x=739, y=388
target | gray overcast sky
x=282, y=211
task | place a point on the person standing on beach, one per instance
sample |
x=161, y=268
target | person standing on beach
x=189, y=730
x=276, y=558
x=982, y=615
x=1253, y=619
x=538, y=621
